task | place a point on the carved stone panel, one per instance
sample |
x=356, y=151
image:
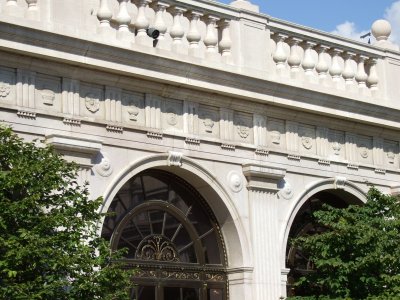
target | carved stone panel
x=307, y=139
x=336, y=147
x=364, y=148
x=243, y=127
x=92, y=100
x=276, y=133
x=209, y=120
x=133, y=108
x=7, y=86
x=391, y=153
x=48, y=92
x=172, y=115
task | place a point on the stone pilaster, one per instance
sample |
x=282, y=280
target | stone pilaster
x=262, y=187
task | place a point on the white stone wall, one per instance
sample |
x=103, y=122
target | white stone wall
x=258, y=116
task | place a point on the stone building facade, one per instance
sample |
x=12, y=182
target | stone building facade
x=212, y=142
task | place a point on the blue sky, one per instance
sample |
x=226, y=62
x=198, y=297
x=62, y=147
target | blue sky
x=353, y=17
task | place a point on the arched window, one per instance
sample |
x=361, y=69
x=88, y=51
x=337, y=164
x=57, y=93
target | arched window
x=172, y=238
x=304, y=224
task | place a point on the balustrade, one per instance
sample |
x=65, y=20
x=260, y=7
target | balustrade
x=320, y=62
x=196, y=29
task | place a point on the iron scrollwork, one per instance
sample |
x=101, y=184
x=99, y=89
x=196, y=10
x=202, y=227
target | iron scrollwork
x=157, y=247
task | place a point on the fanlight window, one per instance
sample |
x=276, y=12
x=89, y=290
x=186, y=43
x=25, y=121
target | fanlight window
x=171, y=235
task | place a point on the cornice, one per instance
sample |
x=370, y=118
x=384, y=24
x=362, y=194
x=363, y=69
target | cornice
x=226, y=80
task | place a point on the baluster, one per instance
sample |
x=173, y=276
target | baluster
x=308, y=60
x=348, y=72
x=225, y=44
x=142, y=23
x=336, y=69
x=211, y=38
x=294, y=60
x=123, y=19
x=361, y=75
x=159, y=23
x=280, y=56
x=193, y=36
x=104, y=15
x=32, y=11
x=373, y=78
x=177, y=32
x=322, y=67
x=11, y=7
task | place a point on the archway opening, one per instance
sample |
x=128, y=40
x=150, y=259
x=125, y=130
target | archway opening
x=304, y=224
x=172, y=237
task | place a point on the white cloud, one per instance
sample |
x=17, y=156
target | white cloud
x=392, y=14
x=349, y=30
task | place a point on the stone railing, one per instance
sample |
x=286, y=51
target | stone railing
x=304, y=56
x=208, y=32
x=183, y=27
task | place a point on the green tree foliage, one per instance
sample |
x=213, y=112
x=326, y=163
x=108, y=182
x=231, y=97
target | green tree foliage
x=49, y=242
x=358, y=256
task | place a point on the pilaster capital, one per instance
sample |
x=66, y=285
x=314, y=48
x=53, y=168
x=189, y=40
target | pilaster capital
x=263, y=178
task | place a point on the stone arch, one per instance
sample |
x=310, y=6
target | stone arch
x=338, y=184
x=234, y=234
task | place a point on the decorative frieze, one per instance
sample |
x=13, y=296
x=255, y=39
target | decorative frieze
x=260, y=130
x=294, y=157
x=153, y=111
x=112, y=104
x=226, y=124
x=192, y=141
x=114, y=128
x=133, y=108
x=72, y=121
x=307, y=138
x=378, y=151
x=190, y=117
x=262, y=151
x=351, y=147
x=26, y=88
x=158, y=135
x=322, y=141
x=292, y=136
x=26, y=114
x=228, y=147
x=70, y=96
x=324, y=162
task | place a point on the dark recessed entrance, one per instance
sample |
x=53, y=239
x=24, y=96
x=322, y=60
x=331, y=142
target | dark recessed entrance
x=172, y=237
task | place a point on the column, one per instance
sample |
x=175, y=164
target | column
x=322, y=142
x=264, y=220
